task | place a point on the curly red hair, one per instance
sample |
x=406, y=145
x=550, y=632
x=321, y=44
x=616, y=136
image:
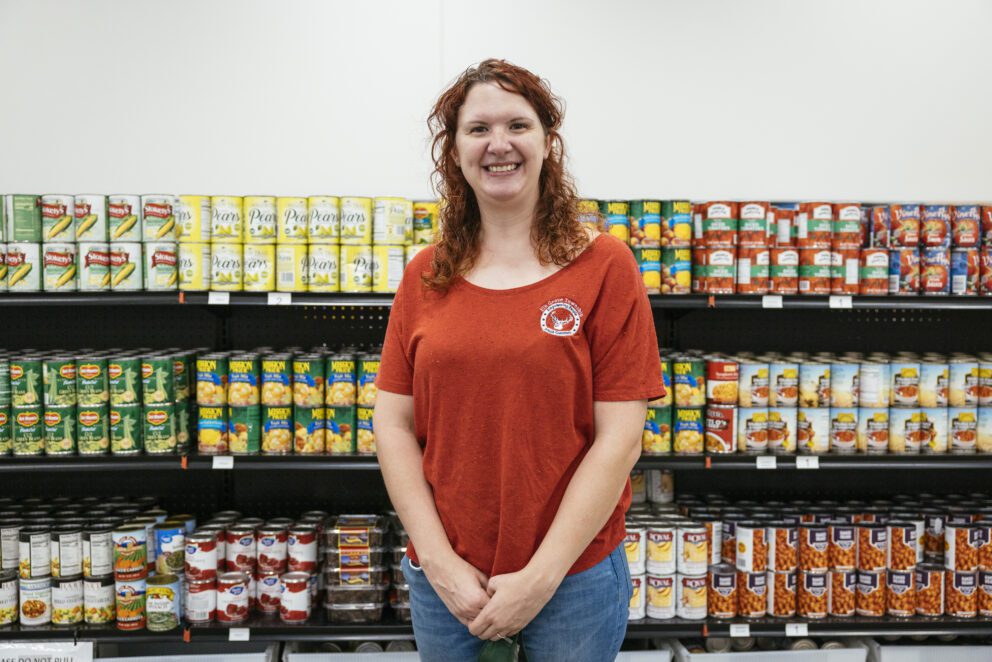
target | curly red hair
x=557, y=235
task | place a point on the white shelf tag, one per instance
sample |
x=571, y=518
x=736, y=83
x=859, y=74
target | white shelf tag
x=807, y=462
x=740, y=630
x=766, y=462
x=280, y=298
x=223, y=462
x=841, y=302
x=218, y=298
x=239, y=634
x=771, y=301
x=796, y=630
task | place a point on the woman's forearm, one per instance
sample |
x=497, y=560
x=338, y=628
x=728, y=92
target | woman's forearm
x=593, y=491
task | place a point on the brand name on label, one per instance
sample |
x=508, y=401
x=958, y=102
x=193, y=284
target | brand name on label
x=119, y=210
x=53, y=259
x=119, y=258
x=94, y=257
x=27, y=418
x=92, y=417
x=158, y=210
x=163, y=257
x=53, y=210
x=157, y=417
x=89, y=371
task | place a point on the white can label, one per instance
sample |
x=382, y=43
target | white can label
x=160, y=266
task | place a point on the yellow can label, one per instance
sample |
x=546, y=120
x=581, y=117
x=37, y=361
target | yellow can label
x=324, y=224
x=356, y=268
x=291, y=268
x=194, y=267
x=387, y=267
x=260, y=219
x=292, y=217
x=324, y=267
x=193, y=218
x=226, y=219
x=356, y=221
x=260, y=267
x=392, y=221
x=226, y=267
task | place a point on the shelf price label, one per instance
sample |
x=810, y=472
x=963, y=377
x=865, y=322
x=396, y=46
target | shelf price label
x=740, y=630
x=796, y=630
x=30, y=651
x=807, y=462
x=841, y=302
x=218, y=298
x=223, y=462
x=239, y=634
x=771, y=301
x=766, y=462
x=280, y=298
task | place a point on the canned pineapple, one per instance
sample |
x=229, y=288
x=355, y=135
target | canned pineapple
x=340, y=380
x=122, y=212
x=291, y=268
x=276, y=425
x=339, y=424
x=244, y=375
x=356, y=221
x=160, y=266
x=392, y=221
x=277, y=389
x=292, y=218
x=211, y=379
x=57, y=215
x=60, y=267
x=387, y=267
x=308, y=380
x=193, y=218
x=425, y=215
x=24, y=267
x=125, y=267
x=260, y=267
x=158, y=221
x=356, y=268
x=194, y=267
x=91, y=218
x=365, y=444
x=324, y=225
x=260, y=219
x=226, y=219
x=212, y=430
x=226, y=267
x=94, y=267
x=323, y=267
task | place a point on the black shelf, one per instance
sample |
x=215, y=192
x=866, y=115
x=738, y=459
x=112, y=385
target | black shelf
x=296, y=299
x=741, y=301
x=89, y=299
x=860, y=627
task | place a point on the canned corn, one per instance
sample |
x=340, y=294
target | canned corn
x=94, y=267
x=24, y=267
x=57, y=215
x=125, y=267
x=60, y=267
x=123, y=212
x=160, y=266
x=91, y=218
x=23, y=218
x=260, y=220
x=158, y=220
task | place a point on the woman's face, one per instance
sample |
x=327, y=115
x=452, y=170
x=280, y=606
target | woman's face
x=500, y=145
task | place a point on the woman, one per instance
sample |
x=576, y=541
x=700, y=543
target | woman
x=518, y=360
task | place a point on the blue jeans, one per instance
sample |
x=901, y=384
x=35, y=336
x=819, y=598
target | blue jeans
x=585, y=620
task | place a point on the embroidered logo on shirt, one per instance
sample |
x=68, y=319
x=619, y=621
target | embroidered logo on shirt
x=561, y=317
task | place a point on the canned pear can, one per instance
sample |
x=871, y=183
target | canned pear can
x=194, y=266
x=57, y=216
x=226, y=267
x=158, y=220
x=356, y=221
x=356, y=268
x=125, y=267
x=387, y=267
x=91, y=218
x=260, y=219
x=291, y=268
x=226, y=219
x=324, y=267
x=292, y=218
x=193, y=218
x=94, y=267
x=123, y=213
x=392, y=221
x=160, y=266
x=259, y=267
x=324, y=225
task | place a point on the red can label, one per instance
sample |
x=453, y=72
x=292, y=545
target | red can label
x=302, y=549
x=966, y=228
x=753, y=226
x=905, y=229
x=720, y=224
x=936, y=225
x=784, y=271
x=880, y=221
x=935, y=268
x=847, y=225
x=783, y=227
x=845, y=268
x=814, y=225
x=904, y=271
x=752, y=270
x=814, y=271
x=985, y=271
x=874, y=276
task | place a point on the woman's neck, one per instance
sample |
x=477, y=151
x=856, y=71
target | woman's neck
x=506, y=235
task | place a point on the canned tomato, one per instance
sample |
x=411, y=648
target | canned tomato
x=879, y=221
x=301, y=548
x=904, y=386
x=814, y=271
x=324, y=220
x=813, y=430
x=324, y=267
x=965, y=267
x=935, y=271
x=356, y=268
x=201, y=600
x=929, y=583
x=698, y=284
x=721, y=424
x=676, y=271
x=722, y=593
x=24, y=267
x=783, y=389
x=781, y=588
x=782, y=226
x=36, y=601
x=784, y=271
x=130, y=604
x=356, y=221
x=241, y=550
x=98, y=550
x=67, y=600
x=961, y=593
x=226, y=267
x=232, y=597
x=814, y=225
x=984, y=269
x=720, y=224
x=845, y=270
x=267, y=593
x=753, y=229
x=90, y=218
x=721, y=270
x=60, y=273
x=690, y=381
x=814, y=544
x=813, y=595
x=387, y=267
x=691, y=596
x=846, y=225
x=905, y=226
x=125, y=267
x=874, y=272
x=657, y=436
x=691, y=549
x=99, y=601
x=904, y=271
x=935, y=225
x=753, y=270
x=966, y=226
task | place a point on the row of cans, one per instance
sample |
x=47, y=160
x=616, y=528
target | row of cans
x=205, y=219
x=872, y=271
x=89, y=267
x=235, y=267
x=823, y=380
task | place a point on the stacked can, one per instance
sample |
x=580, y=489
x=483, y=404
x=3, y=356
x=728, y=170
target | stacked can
x=244, y=405
x=368, y=370
x=126, y=382
x=5, y=405
x=340, y=404
x=158, y=388
x=227, y=236
x=22, y=239
x=212, y=381
x=194, y=219
x=324, y=252
x=309, y=381
x=656, y=439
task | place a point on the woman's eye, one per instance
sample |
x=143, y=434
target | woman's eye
x=518, y=125
x=477, y=129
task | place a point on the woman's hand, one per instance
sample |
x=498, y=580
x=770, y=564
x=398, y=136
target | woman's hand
x=460, y=585
x=516, y=598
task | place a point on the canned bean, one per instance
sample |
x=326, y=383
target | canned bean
x=812, y=595
x=752, y=547
x=722, y=594
x=900, y=593
x=961, y=543
x=871, y=593
x=781, y=588
x=814, y=543
x=985, y=593
x=872, y=547
x=901, y=554
x=929, y=582
x=92, y=384
x=842, y=552
x=843, y=592
x=961, y=593
x=783, y=547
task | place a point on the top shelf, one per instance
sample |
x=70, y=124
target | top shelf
x=373, y=299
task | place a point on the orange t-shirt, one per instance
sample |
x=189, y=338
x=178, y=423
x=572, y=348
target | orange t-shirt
x=503, y=385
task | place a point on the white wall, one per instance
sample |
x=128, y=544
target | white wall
x=843, y=99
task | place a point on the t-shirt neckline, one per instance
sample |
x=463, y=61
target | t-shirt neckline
x=524, y=288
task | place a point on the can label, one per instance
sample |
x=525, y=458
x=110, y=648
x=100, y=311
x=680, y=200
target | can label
x=905, y=228
x=259, y=267
x=211, y=379
x=130, y=600
x=194, y=267
x=160, y=428
x=292, y=217
x=387, y=268
x=24, y=267
x=657, y=435
x=291, y=268
x=277, y=424
x=935, y=271
x=616, y=218
x=966, y=226
x=92, y=435
x=425, y=215
x=94, y=267
x=649, y=263
x=57, y=216
x=123, y=212
x=170, y=549
x=260, y=220
x=324, y=267
x=244, y=429
x=356, y=268
x=645, y=223
x=392, y=221
x=226, y=219
x=92, y=385
x=226, y=267
x=935, y=227
x=124, y=376
x=125, y=267
x=965, y=268
x=160, y=266
x=193, y=218
x=324, y=225
x=212, y=430
x=28, y=430
x=67, y=602
x=158, y=221
x=91, y=218
x=356, y=221
x=60, y=429
x=99, y=601
x=339, y=426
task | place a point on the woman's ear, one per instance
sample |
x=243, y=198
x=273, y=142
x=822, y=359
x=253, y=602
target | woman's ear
x=547, y=145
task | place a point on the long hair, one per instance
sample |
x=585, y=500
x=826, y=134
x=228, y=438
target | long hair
x=557, y=235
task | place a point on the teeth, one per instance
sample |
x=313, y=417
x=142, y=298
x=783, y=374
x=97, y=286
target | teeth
x=502, y=168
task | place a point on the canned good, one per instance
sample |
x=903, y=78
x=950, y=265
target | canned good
x=965, y=269
x=985, y=593
x=690, y=382
x=688, y=429
x=752, y=430
x=125, y=267
x=170, y=547
x=24, y=267
x=201, y=601
x=843, y=430
x=226, y=219
x=130, y=552
x=873, y=430
x=637, y=609
x=123, y=218
x=752, y=547
x=324, y=220
x=873, y=385
x=27, y=435
x=392, y=221
x=929, y=582
x=90, y=212
x=339, y=424
x=649, y=262
x=159, y=428
x=126, y=429
x=301, y=548
x=259, y=267
x=194, y=266
x=691, y=550
x=387, y=267
x=98, y=550
x=935, y=271
x=635, y=548
x=657, y=436
x=753, y=387
x=935, y=225
x=874, y=272
x=226, y=267
x=34, y=552
x=92, y=432
x=814, y=271
x=67, y=600
x=356, y=221
x=99, y=600
x=232, y=597
x=814, y=545
x=813, y=595
x=721, y=270
x=966, y=231
x=60, y=273
x=813, y=430
x=324, y=267
x=661, y=549
x=193, y=218
x=905, y=226
x=676, y=271
x=67, y=551
x=904, y=271
x=783, y=547
x=276, y=430
x=130, y=600
x=57, y=215
x=244, y=429
x=784, y=385
x=158, y=383
x=36, y=601
x=721, y=427
x=365, y=435
x=905, y=384
x=843, y=593
x=781, y=594
x=158, y=221
x=722, y=594
x=163, y=602
x=960, y=592
x=691, y=596
x=94, y=267
x=814, y=384
x=292, y=218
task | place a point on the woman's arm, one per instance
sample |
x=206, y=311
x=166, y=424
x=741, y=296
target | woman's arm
x=460, y=585
x=590, y=498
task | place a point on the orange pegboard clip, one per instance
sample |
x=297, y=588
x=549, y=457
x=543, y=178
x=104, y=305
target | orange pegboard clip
x=186, y=635
x=709, y=462
x=706, y=630
x=182, y=297
x=183, y=463
x=711, y=302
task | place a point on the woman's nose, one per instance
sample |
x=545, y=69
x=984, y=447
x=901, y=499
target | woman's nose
x=499, y=142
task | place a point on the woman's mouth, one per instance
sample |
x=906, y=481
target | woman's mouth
x=502, y=167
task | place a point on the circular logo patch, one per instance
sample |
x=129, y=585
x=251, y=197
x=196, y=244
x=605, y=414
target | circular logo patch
x=561, y=317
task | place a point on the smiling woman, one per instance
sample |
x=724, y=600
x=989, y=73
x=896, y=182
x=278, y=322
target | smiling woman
x=518, y=360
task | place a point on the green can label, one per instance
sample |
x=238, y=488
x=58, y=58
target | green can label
x=308, y=423
x=60, y=430
x=277, y=423
x=25, y=218
x=368, y=370
x=211, y=380
x=92, y=385
x=5, y=431
x=339, y=424
x=124, y=374
x=340, y=381
x=126, y=430
x=4, y=373
x=690, y=382
x=25, y=382
x=244, y=429
x=160, y=428
x=92, y=436
x=60, y=381
x=308, y=380
x=244, y=379
x=28, y=437
x=657, y=435
x=158, y=381
x=183, y=439
x=180, y=371
x=212, y=430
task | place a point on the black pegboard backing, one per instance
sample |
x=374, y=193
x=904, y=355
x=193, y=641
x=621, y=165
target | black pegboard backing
x=816, y=484
x=101, y=327
x=198, y=493
x=306, y=326
x=270, y=493
x=832, y=330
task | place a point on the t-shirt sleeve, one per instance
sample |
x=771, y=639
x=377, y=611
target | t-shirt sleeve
x=622, y=338
x=395, y=368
